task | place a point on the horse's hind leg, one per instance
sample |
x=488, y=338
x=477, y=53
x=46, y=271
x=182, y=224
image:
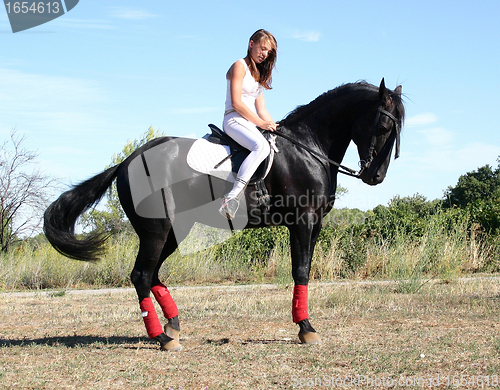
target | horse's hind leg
x=145, y=269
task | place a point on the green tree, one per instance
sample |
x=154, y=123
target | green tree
x=402, y=216
x=478, y=193
x=112, y=218
x=481, y=185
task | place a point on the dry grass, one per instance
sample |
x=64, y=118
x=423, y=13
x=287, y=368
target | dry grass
x=243, y=337
x=250, y=259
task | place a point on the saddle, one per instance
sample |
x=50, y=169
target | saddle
x=238, y=153
x=224, y=158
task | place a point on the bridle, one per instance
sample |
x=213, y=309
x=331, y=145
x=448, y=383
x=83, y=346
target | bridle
x=363, y=164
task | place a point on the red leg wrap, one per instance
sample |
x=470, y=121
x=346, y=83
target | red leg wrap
x=299, y=303
x=165, y=300
x=151, y=321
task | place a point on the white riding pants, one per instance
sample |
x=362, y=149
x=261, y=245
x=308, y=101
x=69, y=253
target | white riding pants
x=247, y=135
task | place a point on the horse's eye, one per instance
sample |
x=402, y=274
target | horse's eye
x=383, y=128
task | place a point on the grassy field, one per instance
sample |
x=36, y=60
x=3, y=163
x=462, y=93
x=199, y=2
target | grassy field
x=261, y=256
x=446, y=335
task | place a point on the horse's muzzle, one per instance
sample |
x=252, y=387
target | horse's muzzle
x=372, y=177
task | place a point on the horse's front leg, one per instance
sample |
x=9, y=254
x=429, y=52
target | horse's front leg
x=302, y=241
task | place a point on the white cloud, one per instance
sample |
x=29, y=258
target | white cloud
x=438, y=136
x=36, y=92
x=421, y=119
x=131, y=13
x=427, y=171
x=454, y=161
x=307, y=36
x=62, y=117
x=48, y=103
x=88, y=24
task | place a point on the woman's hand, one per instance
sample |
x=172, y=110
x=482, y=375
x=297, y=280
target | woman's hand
x=268, y=125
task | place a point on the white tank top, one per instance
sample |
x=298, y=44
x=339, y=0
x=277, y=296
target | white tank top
x=250, y=90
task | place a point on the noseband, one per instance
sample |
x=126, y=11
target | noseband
x=363, y=164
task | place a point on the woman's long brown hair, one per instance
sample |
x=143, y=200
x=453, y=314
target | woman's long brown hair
x=263, y=72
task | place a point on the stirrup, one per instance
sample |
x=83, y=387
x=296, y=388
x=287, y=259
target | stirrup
x=229, y=207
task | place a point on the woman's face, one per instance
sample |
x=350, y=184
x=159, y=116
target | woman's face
x=260, y=50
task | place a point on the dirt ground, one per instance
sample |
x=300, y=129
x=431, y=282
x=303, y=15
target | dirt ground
x=242, y=337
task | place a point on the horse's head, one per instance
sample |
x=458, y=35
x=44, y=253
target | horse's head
x=376, y=132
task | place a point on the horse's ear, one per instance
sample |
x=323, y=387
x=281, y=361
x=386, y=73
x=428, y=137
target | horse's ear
x=398, y=90
x=382, y=90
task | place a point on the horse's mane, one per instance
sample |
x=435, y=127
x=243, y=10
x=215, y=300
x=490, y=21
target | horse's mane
x=345, y=89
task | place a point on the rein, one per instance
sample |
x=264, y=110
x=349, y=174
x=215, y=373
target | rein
x=342, y=169
x=363, y=164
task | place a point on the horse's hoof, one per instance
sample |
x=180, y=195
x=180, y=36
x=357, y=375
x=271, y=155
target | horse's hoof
x=171, y=332
x=309, y=338
x=172, y=346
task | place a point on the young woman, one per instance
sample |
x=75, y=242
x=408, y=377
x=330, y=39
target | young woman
x=246, y=110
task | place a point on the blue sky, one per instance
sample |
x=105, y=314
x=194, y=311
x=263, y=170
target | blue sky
x=82, y=85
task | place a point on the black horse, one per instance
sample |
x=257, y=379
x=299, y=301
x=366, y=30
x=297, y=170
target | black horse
x=301, y=185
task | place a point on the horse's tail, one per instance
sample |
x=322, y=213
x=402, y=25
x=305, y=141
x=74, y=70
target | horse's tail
x=60, y=218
